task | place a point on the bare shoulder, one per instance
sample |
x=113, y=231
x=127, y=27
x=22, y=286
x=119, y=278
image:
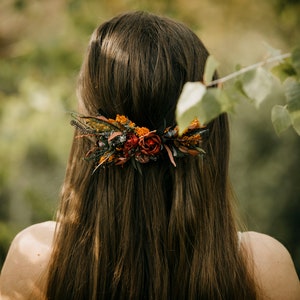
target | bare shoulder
x=26, y=261
x=273, y=267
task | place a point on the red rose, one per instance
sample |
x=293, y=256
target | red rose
x=131, y=143
x=150, y=144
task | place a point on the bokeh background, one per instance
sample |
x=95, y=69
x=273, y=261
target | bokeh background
x=41, y=48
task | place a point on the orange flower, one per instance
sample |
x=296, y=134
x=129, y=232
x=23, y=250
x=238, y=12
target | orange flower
x=194, y=124
x=121, y=119
x=124, y=120
x=141, y=131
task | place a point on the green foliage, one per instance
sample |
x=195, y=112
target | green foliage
x=210, y=69
x=292, y=94
x=281, y=118
x=188, y=106
x=295, y=64
x=289, y=73
x=256, y=83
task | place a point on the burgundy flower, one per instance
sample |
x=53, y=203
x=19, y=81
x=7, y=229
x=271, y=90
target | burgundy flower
x=130, y=144
x=150, y=144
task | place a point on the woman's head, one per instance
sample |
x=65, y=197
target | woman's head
x=168, y=232
x=136, y=65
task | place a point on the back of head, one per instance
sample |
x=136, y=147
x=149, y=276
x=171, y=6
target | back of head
x=136, y=65
x=167, y=233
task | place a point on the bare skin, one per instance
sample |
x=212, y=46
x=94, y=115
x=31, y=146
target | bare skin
x=30, y=251
x=25, y=263
x=274, y=269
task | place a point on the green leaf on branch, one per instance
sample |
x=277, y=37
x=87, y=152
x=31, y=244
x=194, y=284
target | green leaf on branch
x=217, y=101
x=280, y=118
x=284, y=70
x=210, y=69
x=253, y=83
x=188, y=102
x=204, y=104
x=238, y=88
x=296, y=121
x=210, y=105
x=257, y=85
x=292, y=93
x=296, y=60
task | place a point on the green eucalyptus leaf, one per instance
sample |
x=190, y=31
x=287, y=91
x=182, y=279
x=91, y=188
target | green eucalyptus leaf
x=215, y=102
x=210, y=69
x=292, y=93
x=209, y=107
x=280, y=118
x=235, y=94
x=238, y=87
x=257, y=85
x=188, y=102
x=296, y=121
x=296, y=60
x=284, y=70
x=253, y=83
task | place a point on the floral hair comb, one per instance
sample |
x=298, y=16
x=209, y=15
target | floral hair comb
x=119, y=140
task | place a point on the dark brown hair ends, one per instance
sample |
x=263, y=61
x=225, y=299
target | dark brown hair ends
x=164, y=232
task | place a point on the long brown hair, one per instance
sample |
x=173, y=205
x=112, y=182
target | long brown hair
x=164, y=233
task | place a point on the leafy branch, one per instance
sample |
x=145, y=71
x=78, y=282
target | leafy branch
x=254, y=83
x=247, y=69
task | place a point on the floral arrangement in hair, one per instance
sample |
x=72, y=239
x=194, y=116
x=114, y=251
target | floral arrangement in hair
x=119, y=140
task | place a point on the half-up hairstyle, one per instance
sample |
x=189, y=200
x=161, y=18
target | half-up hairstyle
x=165, y=232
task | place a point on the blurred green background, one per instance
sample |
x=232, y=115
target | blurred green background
x=41, y=48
